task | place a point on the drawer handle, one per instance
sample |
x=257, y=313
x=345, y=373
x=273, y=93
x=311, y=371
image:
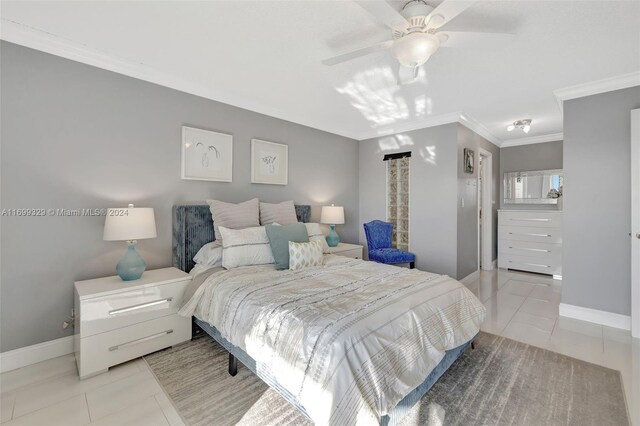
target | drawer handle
x=530, y=220
x=529, y=235
x=135, y=342
x=140, y=306
x=531, y=249
x=533, y=264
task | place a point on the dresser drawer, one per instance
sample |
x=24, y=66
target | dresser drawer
x=526, y=233
x=533, y=264
x=113, y=311
x=531, y=249
x=114, y=347
x=542, y=219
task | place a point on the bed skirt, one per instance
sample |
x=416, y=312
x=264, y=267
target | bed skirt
x=393, y=418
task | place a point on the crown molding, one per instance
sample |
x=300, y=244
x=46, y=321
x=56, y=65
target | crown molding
x=597, y=86
x=474, y=125
x=17, y=33
x=433, y=121
x=551, y=137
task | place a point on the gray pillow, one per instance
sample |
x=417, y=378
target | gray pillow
x=234, y=216
x=279, y=237
x=283, y=213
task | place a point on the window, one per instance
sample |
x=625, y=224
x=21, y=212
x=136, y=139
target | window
x=398, y=197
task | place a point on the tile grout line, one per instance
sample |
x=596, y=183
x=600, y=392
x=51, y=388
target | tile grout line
x=86, y=401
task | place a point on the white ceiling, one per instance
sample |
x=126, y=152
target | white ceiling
x=265, y=56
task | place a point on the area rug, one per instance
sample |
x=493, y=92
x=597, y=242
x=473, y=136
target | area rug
x=500, y=382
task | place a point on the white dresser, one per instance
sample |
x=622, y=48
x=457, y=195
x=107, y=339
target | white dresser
x=116, y=321
x=530, y=240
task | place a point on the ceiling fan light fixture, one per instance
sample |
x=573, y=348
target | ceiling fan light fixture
x=511, y=128
x=415, y=49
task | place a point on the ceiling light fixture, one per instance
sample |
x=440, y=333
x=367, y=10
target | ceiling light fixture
x=415, y=49
x=525, y=125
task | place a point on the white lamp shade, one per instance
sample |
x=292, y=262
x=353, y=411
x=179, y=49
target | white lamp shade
x=332, y=215
x=415, y=49
x=129, y=223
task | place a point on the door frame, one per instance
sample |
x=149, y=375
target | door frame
x=635, y=223
x=486, y=251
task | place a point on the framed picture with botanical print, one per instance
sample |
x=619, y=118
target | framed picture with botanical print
x=206, y=155
x=469, y=160
x=269, y=162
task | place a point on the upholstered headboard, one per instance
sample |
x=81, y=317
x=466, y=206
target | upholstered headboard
x=193, y=228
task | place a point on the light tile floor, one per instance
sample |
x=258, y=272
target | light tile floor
x=524, y=307
x=50, y=394
x=520, y=306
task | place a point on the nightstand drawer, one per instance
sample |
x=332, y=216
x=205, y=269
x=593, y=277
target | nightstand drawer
x=113, y=311
x=355, y=254
x=101, y=351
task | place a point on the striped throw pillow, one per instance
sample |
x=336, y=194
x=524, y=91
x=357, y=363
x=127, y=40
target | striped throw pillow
x=245, y=247
x=315, y=234
x=234, y=216
x=283, y=213
x=305, y=255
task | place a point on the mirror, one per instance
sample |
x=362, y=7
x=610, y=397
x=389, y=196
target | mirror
x=533, y=187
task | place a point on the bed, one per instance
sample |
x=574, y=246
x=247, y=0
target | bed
x=344, y=343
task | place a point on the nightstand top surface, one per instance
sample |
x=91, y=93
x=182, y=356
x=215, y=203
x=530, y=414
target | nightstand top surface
x=111, y=285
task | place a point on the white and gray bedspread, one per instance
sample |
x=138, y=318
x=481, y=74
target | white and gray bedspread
x=349, y=339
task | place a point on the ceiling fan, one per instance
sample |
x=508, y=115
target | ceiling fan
x=416, y=33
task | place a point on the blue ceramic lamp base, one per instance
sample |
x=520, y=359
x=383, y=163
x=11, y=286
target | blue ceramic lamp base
x=333, y=239
x=132, y=265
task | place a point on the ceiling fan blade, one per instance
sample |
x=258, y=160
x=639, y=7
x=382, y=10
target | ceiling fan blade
x=357, y=53
x=407, y=75
x=385, y=13
x=447, y=10
x=473, y=39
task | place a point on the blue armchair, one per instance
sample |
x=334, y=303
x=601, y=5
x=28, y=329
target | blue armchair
x=379, y=235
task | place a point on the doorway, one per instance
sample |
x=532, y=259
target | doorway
x=485, y=210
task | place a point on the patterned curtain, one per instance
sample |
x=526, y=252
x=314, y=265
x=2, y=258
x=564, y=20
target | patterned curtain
x=398, y=200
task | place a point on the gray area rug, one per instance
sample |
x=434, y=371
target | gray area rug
x=501, y=382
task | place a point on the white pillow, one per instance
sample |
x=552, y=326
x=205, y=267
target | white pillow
x=245, y=247
x=315, y=234
x=209, y=255
x=305, y=255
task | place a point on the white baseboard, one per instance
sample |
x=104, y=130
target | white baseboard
x=470, y=278
x=609, y=319
x=34, y=354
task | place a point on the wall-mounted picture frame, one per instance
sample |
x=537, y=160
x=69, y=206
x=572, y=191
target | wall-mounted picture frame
x=206, y=155
x=269, y=162
x=469, y=160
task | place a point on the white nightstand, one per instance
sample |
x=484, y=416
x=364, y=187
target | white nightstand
x=116, y=321
x=347, y=250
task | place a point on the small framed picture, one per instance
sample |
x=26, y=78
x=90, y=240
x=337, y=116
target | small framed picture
x=206, y=155
x=469, y=160
x=269, y=162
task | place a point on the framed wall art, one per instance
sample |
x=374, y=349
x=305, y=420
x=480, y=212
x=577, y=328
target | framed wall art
x=269, y=162
x=469, y=160
x=206, y=155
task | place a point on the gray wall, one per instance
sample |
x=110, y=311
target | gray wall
x=433, y=186
x=540, y=156
x=597, y=207
x=435, y=221
x=74, y=136
x=467, y=252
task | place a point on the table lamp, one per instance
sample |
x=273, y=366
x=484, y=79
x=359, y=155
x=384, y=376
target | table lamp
x=332, y=215
x=130, y=224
